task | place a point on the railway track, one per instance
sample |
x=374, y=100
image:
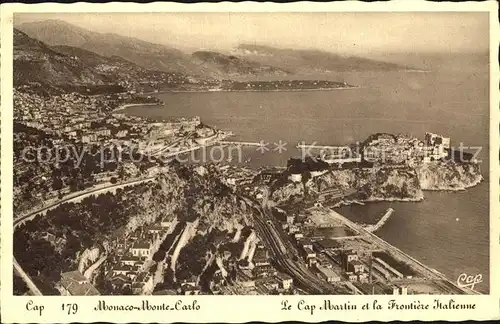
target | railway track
x=266, y=227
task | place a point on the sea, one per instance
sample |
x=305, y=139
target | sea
x=447, y=94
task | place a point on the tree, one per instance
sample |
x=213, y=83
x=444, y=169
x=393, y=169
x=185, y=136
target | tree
x=57, y=183
x=159, y=255
x=20, y=287
x=114, y=180
x=127, y=291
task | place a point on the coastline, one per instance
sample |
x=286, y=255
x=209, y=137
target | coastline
x=463, y=188
x=375, y=200
x=417, y=71
x=223, y=90
x=417, y=199
x=123, y=107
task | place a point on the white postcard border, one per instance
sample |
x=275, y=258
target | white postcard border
x=241, y=308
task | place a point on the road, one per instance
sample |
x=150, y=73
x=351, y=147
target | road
x=276, y=241
x=77, y=196
x=447, y=285
x=71, y=198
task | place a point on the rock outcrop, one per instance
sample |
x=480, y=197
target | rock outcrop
x=449, y=176
x=372, y=184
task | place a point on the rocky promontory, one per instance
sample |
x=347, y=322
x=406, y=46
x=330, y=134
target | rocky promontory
x=389, y=168
x=375, y=184
x=448, y=175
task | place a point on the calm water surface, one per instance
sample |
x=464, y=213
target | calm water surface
x=447, y=231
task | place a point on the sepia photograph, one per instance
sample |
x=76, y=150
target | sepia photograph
x=251, y=153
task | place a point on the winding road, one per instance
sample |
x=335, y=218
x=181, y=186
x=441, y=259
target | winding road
x=75, y=197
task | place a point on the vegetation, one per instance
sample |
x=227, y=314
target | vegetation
x=19, y=286
x=81, y=225
x=168, y=242
x=54, y=241
x=192, y=258
x=39, y=175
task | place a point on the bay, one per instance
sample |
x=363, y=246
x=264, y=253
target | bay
x=449, y=231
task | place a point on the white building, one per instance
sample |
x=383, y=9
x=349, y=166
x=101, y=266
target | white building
x=141, y=249
x=328, y=274
x=295, y=177
x=285, y=280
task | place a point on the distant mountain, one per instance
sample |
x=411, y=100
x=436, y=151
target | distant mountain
x=300, y=61
x=36, y=62
x=115, y=67
x=246, y=60
x=145, y=54
x=232, y=65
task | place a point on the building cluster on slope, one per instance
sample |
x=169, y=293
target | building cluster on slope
x=75, y=124
x=129, y=270
x=386, y=148
x=85, y=119
x=74, y=283
x=131, y=266
x=237, y=177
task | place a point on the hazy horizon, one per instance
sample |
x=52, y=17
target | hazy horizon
x=344, y=33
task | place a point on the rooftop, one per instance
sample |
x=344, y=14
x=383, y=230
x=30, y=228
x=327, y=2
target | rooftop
x=165, y=292
x=141, y=245
x=308, y=250
x=77, y=285
x=327, y=244
x=130, y=258
x=122, y=268
x=328, y=272
x=283, y=276
x=356, y=262
x=120, y=277
x=75, y=276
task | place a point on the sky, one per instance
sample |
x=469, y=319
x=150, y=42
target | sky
x=351, y=32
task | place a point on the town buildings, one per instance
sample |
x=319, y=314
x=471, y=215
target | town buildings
x=74, y=283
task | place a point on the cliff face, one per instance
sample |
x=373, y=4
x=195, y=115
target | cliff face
x=448, y=176
x=214, y=217
x=190, y=195
x=287, y=192
x=384, y=183
x=387, y=183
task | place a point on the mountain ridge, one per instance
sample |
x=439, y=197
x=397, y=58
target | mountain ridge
x=246, y=60
x=231, y=65
x=145, y=54
x=300, y=60
x=34, y=61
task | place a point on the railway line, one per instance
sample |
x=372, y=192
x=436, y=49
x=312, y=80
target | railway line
x=439, y=279
x=266, y=228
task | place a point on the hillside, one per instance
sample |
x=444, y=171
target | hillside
x=36, y=62
x=144, y=54
x=147, y=55
x=232, y=65
x=300, y=61
x=115, y=67
x=245, y=60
